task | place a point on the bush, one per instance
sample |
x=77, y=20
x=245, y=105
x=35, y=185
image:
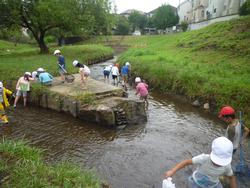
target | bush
x=184, y=26
x=245, y=8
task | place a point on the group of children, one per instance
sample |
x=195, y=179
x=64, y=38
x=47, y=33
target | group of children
x=218, y=162
x=116, y=72
x=125, y=72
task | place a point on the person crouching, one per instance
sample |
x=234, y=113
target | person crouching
x=44, y=77
x=83, y=70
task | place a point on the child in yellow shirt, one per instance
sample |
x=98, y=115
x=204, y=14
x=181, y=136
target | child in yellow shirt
x=4, y=103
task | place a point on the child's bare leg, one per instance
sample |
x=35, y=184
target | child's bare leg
x=24, y=101
x=16, y=100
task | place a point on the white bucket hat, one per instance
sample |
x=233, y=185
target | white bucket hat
x=137, y=79
x=57, y=52
x=222, y=151
x=75, y=62
x=34, y=73
x=27, y=73
x=127, y=63
x=40, y=70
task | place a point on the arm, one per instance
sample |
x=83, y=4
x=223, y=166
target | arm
x=178, y=167
x=50, y=76
x=8, y=92
x=18, y=83
x=232, y=181
x=245, y=133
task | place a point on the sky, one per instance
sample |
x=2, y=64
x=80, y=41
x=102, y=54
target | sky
x=142, y=5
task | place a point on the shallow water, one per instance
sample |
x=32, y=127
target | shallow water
x=136, y=156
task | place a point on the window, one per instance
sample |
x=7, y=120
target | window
x=215, y=10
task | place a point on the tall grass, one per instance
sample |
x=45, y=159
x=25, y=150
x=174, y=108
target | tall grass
x=14, y=61
x=24, y=167
x=213, y=61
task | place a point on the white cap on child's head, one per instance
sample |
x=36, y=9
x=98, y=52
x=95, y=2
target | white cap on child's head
x=137, y=79
x=40, y=70
x=27, y=73
x=1, y=84
x=222, y=151
x=75, y=62
x=34, y=73
x=57, y=52
x=127, y=63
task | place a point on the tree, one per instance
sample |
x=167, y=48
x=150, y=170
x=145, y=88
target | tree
x=59, y=16
x=245, y=8
x=137, y=20
x=184, y=26
x=122, y=26
x=165, y=16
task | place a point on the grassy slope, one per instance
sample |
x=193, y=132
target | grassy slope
x=22, y=166
x=213, y=61
x=14, y=61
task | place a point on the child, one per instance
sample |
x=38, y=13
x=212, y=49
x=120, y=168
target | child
x=115, y=74
x=61, y=64
x=106, y=72
x=34, y=75
x=125, y=72
x=4, y=103
x=142, y=90
x=234, y=128
x=83, y=70
x=44, y=77
x=210, y=167
x=22, y=87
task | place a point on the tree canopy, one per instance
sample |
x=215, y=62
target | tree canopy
x=165, y=16
x=137, y=20
x=84, y=17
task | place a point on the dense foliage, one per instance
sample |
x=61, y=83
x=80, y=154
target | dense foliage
x=245, y=8
x=165, y=16
x=59, y=17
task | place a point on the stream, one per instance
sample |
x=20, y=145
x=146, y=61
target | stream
x=133, y=157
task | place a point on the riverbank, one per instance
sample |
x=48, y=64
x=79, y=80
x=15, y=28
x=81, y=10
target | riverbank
x=210, y=65
x=15, y=60
x=22, y=166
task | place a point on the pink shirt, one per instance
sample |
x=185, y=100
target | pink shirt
x=142, y=89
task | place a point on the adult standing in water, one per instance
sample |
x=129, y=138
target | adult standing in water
x=61, y=64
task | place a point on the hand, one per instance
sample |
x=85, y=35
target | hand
x=169, y=173
x=244, y=143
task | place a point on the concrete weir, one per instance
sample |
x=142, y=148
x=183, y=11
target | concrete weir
x=95, y=102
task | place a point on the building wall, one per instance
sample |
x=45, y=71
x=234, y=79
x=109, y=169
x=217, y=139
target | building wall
x=184, y=11
x=199, y=25
x=218, y=8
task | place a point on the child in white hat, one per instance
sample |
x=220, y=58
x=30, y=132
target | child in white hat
x=210, y=166
x=22, y=88
x=83, y=70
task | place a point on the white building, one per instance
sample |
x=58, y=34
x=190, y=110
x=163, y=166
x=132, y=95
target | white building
x=194, y=11
x=185, y=11
x=219, y=8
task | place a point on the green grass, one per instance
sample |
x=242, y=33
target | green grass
x=23, y=166
x=14, y=61
x=213, y=61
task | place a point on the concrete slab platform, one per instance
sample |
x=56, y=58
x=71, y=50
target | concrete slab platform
x=76, y=88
